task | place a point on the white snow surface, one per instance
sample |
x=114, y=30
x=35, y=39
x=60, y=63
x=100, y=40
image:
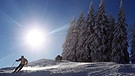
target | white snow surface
x=46, y=67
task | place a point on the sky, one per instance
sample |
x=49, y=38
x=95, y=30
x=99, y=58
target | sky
x=53, y=17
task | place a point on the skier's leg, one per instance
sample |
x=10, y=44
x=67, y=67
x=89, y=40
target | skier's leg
x=16, y=68
x=20, y=68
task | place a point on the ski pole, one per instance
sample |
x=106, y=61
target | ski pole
x=13, y=64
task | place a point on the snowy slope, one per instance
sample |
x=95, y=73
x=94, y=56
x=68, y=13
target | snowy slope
x=45, y=67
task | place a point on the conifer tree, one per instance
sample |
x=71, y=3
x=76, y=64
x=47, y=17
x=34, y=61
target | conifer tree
x=110, y=35
x=71, y=55
x=83, y=53
x=99, y=44
x=90, y=23
x=80, y=29
x=67, y=44
x=133, y=47
x=120, y=43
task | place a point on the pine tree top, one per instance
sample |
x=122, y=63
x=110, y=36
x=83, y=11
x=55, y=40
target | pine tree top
x=101, y=3
x=74, y=19
x=121, y=4
x=91, y=5
x=81, y=14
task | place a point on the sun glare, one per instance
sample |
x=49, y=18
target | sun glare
x=35, y=38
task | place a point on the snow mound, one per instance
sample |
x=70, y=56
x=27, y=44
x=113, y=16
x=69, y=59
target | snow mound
x=46, y=67
x=42, y=62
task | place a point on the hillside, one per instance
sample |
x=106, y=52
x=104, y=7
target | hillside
x=45, y=67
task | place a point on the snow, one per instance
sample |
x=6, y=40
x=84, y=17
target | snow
x=46, y=67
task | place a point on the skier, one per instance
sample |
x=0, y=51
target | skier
x=23, y=62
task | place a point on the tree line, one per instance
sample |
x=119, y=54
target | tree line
x=98, y=37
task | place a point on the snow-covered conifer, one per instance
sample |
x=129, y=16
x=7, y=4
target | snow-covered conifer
x=80, y=29
x=133, y=47
x=71, y=55
x=120, y=43
x=86, y=35
x=69, y=32
x=100, y=49
x=110, y=35
x=67, y=44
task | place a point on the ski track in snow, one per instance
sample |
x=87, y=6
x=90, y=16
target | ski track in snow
x=46, y=67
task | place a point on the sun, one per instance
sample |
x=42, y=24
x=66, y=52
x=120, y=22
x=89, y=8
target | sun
x=35, y=38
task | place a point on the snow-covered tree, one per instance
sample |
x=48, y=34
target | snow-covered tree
x=120, y=43
x=110, y=35
x=86, y=37
x=67, y=44
x=71, y=54
x=83, y=53
x=80, y=29
x=69, y=32
x=133, y=47
x=100, y=39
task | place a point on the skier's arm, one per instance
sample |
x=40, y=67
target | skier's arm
x=18, y=60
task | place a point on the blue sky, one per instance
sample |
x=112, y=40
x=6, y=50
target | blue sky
x=52, y=16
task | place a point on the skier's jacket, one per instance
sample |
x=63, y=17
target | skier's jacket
x=23, y=61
